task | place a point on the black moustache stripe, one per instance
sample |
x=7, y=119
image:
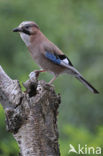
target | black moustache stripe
x=26, y=32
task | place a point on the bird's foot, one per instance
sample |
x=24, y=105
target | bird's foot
x=34, y=75
x=37, y=73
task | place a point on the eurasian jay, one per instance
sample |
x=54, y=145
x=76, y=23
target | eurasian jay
x=47, y=55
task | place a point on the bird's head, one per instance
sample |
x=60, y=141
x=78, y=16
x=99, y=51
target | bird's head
x=26, y=29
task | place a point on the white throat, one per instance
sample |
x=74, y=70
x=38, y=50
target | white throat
x=25, y=38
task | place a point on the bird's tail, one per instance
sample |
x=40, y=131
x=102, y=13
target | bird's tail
x=75, y=72
x=87, y=84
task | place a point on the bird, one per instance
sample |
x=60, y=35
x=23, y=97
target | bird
x=47, y=55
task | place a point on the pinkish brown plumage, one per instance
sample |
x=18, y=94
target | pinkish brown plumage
x=47, y=55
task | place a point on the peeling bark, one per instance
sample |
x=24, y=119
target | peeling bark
x=31, y=116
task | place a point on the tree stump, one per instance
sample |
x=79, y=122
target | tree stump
x=31, y=116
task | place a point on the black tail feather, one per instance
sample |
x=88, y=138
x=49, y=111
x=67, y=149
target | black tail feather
x=87, y=84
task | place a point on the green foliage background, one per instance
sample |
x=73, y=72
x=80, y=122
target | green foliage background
x=76, y=27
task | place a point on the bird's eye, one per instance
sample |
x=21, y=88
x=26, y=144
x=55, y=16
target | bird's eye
x=27, y=27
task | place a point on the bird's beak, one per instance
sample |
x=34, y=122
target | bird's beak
x=18, y=29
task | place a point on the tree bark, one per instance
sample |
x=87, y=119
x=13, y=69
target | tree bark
x=31, y=116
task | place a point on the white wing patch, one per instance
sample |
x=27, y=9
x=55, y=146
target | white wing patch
x=66, y=61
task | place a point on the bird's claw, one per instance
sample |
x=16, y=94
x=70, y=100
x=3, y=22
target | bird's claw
x=37, y=72
x=34, y=75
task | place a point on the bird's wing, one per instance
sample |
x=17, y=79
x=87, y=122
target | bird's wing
x=63, y=61
x=55, y=55
x=59, y=59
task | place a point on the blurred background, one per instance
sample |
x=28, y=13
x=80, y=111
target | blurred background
x=76, y=27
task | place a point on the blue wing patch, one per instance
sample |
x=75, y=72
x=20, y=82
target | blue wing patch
x=58, y=59
x=53, y=58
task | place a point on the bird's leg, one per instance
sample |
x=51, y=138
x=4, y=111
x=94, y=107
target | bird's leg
x=38, y=72
x=51, y=81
